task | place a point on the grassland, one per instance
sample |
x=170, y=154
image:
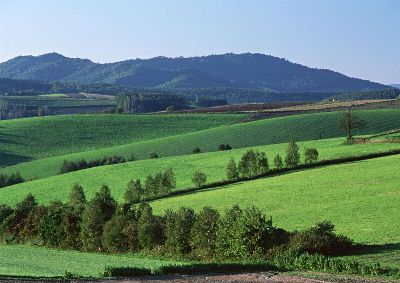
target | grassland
x=39, y=137
x=269, y=131
x=21, y=260
x=361, y=198
x=212, y=163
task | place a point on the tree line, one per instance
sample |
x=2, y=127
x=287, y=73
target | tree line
x=70, y=166
x=103, y=225
x=8, y=180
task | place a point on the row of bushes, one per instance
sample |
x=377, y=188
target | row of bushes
x=70, y=166
x=103, y=225
x=8, y=180
x=293, y=260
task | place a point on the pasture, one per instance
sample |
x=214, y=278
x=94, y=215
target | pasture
x=40, y=137
x=153, y=138
x=212, y=163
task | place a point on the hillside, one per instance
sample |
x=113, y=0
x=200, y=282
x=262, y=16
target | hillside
x=253, y=71
x=39, y=137
x=213, y=164
x=361, y=198
x=166, y=138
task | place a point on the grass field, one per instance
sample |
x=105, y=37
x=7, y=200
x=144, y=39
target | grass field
x=25, y=139
x=361, y=198
x=19, y=260
x=213, y=164
x=269, y=131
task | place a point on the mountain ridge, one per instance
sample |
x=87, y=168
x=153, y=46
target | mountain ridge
x=229, y=70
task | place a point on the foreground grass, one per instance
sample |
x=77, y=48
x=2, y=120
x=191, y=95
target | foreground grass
x=269, y=131
x=213, y=164
x=39, y=137
x=22, y=260
x=362, y=199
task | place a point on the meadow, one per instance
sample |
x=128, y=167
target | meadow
x=213, y=164
x=23, y=260
x=39, y=137
x=361, y=198
x=305, y=127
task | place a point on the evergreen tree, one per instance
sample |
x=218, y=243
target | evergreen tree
x=134, y=192
x=232, y=172
x=77, y=198
x=278, y=162
x=150, y=231
x=310, y=155
x=292, y=158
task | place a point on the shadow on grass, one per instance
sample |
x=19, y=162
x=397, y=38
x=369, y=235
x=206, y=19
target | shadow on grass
x=8, y=159
x=375, y=249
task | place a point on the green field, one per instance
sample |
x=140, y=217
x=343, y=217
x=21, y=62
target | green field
x=39, y=137
x=212, y=163
x=21, y=260
x=361, y=198
x=268, y=131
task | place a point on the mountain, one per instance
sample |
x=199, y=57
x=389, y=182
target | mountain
x=251, y=71
x=395, y=85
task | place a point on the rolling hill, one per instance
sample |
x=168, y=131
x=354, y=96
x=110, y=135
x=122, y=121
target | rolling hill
x=171, y=135
x=253, y=71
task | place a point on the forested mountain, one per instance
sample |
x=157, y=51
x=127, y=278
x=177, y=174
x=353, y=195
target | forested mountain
x=395, y=85
x=251, y=71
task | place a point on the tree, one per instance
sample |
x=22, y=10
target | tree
x=177, y=230
x=223, y=147
x=134, y=192
x=204, y=233
x=98, y=211
x=278, y=162
x=232, y=172
x=150, y=231
x=262, y=163
x=153, y=155
x=292, y=158
x=168, y=181
x=199, y=178
x=349, y=122
x=116, y=234
x=77, y=198
x=310, y=155
x=248, y=166
x=51, y=228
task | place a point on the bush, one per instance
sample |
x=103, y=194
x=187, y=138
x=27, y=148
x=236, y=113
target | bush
x=321, y=239
x=232, y=172
x=199, y=179
x=292, y=158
x=310, y=155
x=223, y=147
x=153, y=155
x=196, y=150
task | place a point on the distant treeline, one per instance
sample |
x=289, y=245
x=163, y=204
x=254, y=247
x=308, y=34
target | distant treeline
x=390, y=93
x=69, y=166
x=8, y=180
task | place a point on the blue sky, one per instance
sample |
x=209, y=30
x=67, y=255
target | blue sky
x=360, y=38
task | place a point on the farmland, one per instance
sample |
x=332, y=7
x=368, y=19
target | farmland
x=213, y=164
x=262, y=132
x=31, y=138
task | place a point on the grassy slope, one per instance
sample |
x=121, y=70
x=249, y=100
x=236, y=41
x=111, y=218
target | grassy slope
x=33, y=261
x=24, y=139
x=269, y=131
x=361, y=198
x=213, y=164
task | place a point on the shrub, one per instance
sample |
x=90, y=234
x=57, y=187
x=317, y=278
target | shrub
x=278, y=162
x=199, y=178
x=232, y=172
x=321, y=239
x=223, y=147
x=292, y=158
x=153, y=155
x=204, y=233
x=196, y=150
x=310, y=155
